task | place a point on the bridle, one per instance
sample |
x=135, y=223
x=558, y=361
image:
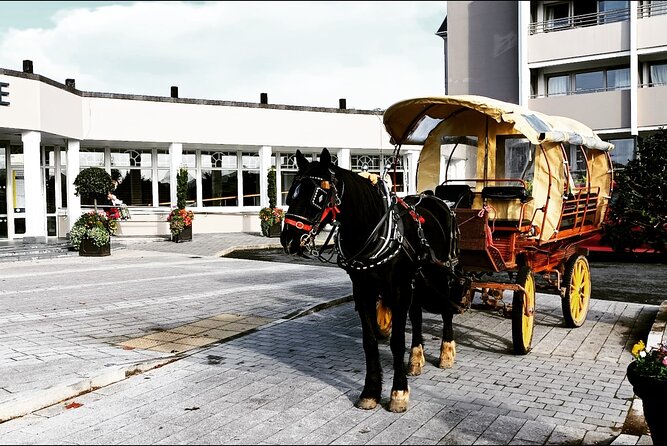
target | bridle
x=326, y=199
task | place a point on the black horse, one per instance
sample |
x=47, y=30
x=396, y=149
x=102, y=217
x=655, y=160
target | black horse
x=396, y=252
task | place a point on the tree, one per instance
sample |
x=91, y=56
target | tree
x=181, y=187
x=271, y=187
x=637, y=213
x=93, y=183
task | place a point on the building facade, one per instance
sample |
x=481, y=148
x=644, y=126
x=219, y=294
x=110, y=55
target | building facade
x=603, y=63
x=50, y=131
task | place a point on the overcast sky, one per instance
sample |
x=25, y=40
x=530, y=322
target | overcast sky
x=300, y=53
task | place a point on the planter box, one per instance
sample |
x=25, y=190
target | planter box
x=184, y=236
x=89, y=249
x=273, y=231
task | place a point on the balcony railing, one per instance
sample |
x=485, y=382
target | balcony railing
x=580, y=21
x=580, y=91
x=652, y=9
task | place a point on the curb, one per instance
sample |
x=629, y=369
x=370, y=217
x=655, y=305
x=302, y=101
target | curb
x=634, y=420
x=27, y=402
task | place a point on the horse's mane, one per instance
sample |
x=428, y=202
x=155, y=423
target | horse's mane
x=362, y=204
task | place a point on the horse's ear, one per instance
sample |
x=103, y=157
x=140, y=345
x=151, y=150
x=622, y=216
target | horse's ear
x=301, y=161
x=325, y=157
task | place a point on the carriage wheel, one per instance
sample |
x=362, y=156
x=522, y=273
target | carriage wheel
x=383, y=320
x=577, y=279
x=523, y=312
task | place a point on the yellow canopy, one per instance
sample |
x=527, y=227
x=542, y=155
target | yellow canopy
x=410, y=121
x=425, y=121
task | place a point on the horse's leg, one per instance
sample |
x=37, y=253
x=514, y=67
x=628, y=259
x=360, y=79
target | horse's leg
x=400, y=393
x=448, y=347
x=417, y=360
x=365, y=300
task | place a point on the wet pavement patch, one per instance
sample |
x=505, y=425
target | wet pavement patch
x=196, y=334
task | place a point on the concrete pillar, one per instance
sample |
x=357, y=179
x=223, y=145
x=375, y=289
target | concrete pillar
x=35, y=202
x=264, y=167
x=344, y=159
x=411, y=171
x=175, y=160
x=73, y=201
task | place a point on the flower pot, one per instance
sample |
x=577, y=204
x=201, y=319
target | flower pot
x=90, y=249
x=184, y=236
x=653, y=393
x=274, y=231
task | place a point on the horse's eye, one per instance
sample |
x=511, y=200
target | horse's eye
x=324, y=185
x=296, y=191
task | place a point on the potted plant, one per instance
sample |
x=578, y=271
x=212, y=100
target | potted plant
x=648, y=376
x=271, y=217
x=91, y=233
x=180, y=219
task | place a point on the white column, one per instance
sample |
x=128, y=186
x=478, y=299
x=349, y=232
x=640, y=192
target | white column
x=35, y=203
x=175, y=160
x=411, y=171
x=344, y=158
x=634, y=70
x=522, y=41
x=264, y=166
x=73, y=201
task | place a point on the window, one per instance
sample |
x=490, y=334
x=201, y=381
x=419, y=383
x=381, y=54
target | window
x=557, y=15
x=250, y=173
x=618, y=79
x=132, y=170
x=658, y=74
x=219, y=178
x=608, y=79
x=589, y=82
x=613, y=11
x=91, y=157
x=558, y=85
x=624, y=151
x=377, y=163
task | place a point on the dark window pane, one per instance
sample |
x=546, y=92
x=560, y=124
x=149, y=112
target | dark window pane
x=219, y=187
x=135, y=187
x=589, y=82
x=251, y=189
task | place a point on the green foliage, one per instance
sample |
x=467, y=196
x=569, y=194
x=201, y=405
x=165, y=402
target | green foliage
x=637, y=213
x=181, y=187
x=93, y=182
x=92, y=225
x=652, y=361
x=271, y=189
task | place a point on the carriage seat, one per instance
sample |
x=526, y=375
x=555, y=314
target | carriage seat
x=460, y=194
x=506, y=193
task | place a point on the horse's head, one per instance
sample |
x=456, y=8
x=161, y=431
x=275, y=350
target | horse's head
x=312, y=201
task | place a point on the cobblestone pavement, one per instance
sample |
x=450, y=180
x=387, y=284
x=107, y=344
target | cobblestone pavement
x=290, y=377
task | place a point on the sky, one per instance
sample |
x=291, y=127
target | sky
x=304, y=53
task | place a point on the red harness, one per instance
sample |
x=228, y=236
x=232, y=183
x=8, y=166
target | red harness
x=331, y=209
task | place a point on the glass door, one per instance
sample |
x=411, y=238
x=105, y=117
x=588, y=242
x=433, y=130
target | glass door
x=3, y=193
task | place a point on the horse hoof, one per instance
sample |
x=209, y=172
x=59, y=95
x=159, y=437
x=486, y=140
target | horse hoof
x=447, y=354
x=367, y=403
x=399, y=401
x=417, y=361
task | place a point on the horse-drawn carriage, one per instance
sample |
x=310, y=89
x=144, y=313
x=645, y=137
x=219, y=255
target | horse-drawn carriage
x=500, y=189
x=526, y=188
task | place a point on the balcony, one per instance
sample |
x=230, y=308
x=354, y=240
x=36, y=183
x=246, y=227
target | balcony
x=651, y=111
x=579, y=36
x=604, y=110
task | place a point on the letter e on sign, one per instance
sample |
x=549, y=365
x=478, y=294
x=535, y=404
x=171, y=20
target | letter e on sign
x=3, y=93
